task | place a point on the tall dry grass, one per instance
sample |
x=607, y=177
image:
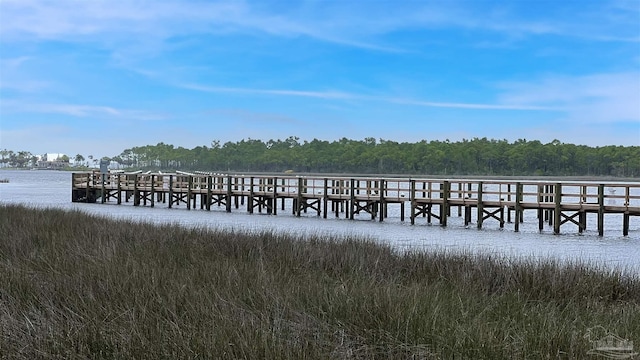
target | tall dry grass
x=78, y=286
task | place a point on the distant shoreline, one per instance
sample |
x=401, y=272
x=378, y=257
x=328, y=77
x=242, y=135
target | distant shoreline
x=417, y=176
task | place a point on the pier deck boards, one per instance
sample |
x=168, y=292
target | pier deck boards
x=557, y=203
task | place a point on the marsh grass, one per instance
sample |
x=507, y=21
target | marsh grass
x=80, y=286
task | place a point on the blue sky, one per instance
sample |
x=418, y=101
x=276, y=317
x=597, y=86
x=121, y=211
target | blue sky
x=98, y=77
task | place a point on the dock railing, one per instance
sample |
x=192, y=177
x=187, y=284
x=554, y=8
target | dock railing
x=556, y=202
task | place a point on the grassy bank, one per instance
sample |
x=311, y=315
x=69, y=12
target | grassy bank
x=77, y=286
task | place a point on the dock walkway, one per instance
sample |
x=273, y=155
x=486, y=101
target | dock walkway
x=557, y=203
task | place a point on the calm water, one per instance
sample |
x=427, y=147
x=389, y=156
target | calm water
x=53, y=189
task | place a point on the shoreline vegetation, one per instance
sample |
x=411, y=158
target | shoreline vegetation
x=592, y=178
x=75, y=285
x=477, y=157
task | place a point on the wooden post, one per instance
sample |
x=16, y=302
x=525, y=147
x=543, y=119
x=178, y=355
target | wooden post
x=74, y=195
x=381, y=203
x=283, y=189
x=625, y=224
x=153, y=190
x=88, y=186
x=557, y=197
x=299, y=197
x=412, y=198
x=601, y=209
x=516, y=225
x=250, y=199
x=170, y=190
x=521, y=197
x=459, y=197
x=508, y=201
x=229, y=194
x=242, y=189
x=541, y=212
x=274, y=201
x=189, y=185
x=119, y=191
x=430, y=196
x=480, y=205
x=208, y=197
x=444, y=208
x=136, y=192
x=467, y=215
x=102, y=197
x=353, y=199
x=468, y=207
x=325, y=199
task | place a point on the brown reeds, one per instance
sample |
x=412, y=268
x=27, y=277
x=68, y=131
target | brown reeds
x=80, y=286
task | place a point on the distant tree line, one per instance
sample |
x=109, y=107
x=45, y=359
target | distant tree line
x=368, y=156
x=26, y=159
x=19, y=159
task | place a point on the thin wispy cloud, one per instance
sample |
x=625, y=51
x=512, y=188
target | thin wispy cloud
x=279, y=92
x=339, y=95
x=79, y=110
x=608, y=97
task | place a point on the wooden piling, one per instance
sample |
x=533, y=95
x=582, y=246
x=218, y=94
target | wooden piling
x=557, y=196
x=601, y=209
x=480, y=205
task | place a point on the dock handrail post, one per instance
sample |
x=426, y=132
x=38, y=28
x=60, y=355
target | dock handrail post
x=209, y=186
x=459, y=190
x=153, y=190
x=601, y=209
x=284, y=181
x=516, y=211
x=189, y=186
x=102, y=176
x=352, y=196
x=170, y=190
x=229, y=192
x=119, y=189
x=250, y=198
x=299, y=197
x=325, y=198
x=480, y=205
x=274, y=203
x=136, y=194
x=508, y=202
x=412, y=198
x=382, y=210
x=73, y=187
x=444, y=208
x=557, y=197
x=88, y=186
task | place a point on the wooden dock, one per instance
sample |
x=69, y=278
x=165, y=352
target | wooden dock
x=504, y=201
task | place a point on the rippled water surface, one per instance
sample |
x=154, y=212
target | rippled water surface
x=53, y=189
